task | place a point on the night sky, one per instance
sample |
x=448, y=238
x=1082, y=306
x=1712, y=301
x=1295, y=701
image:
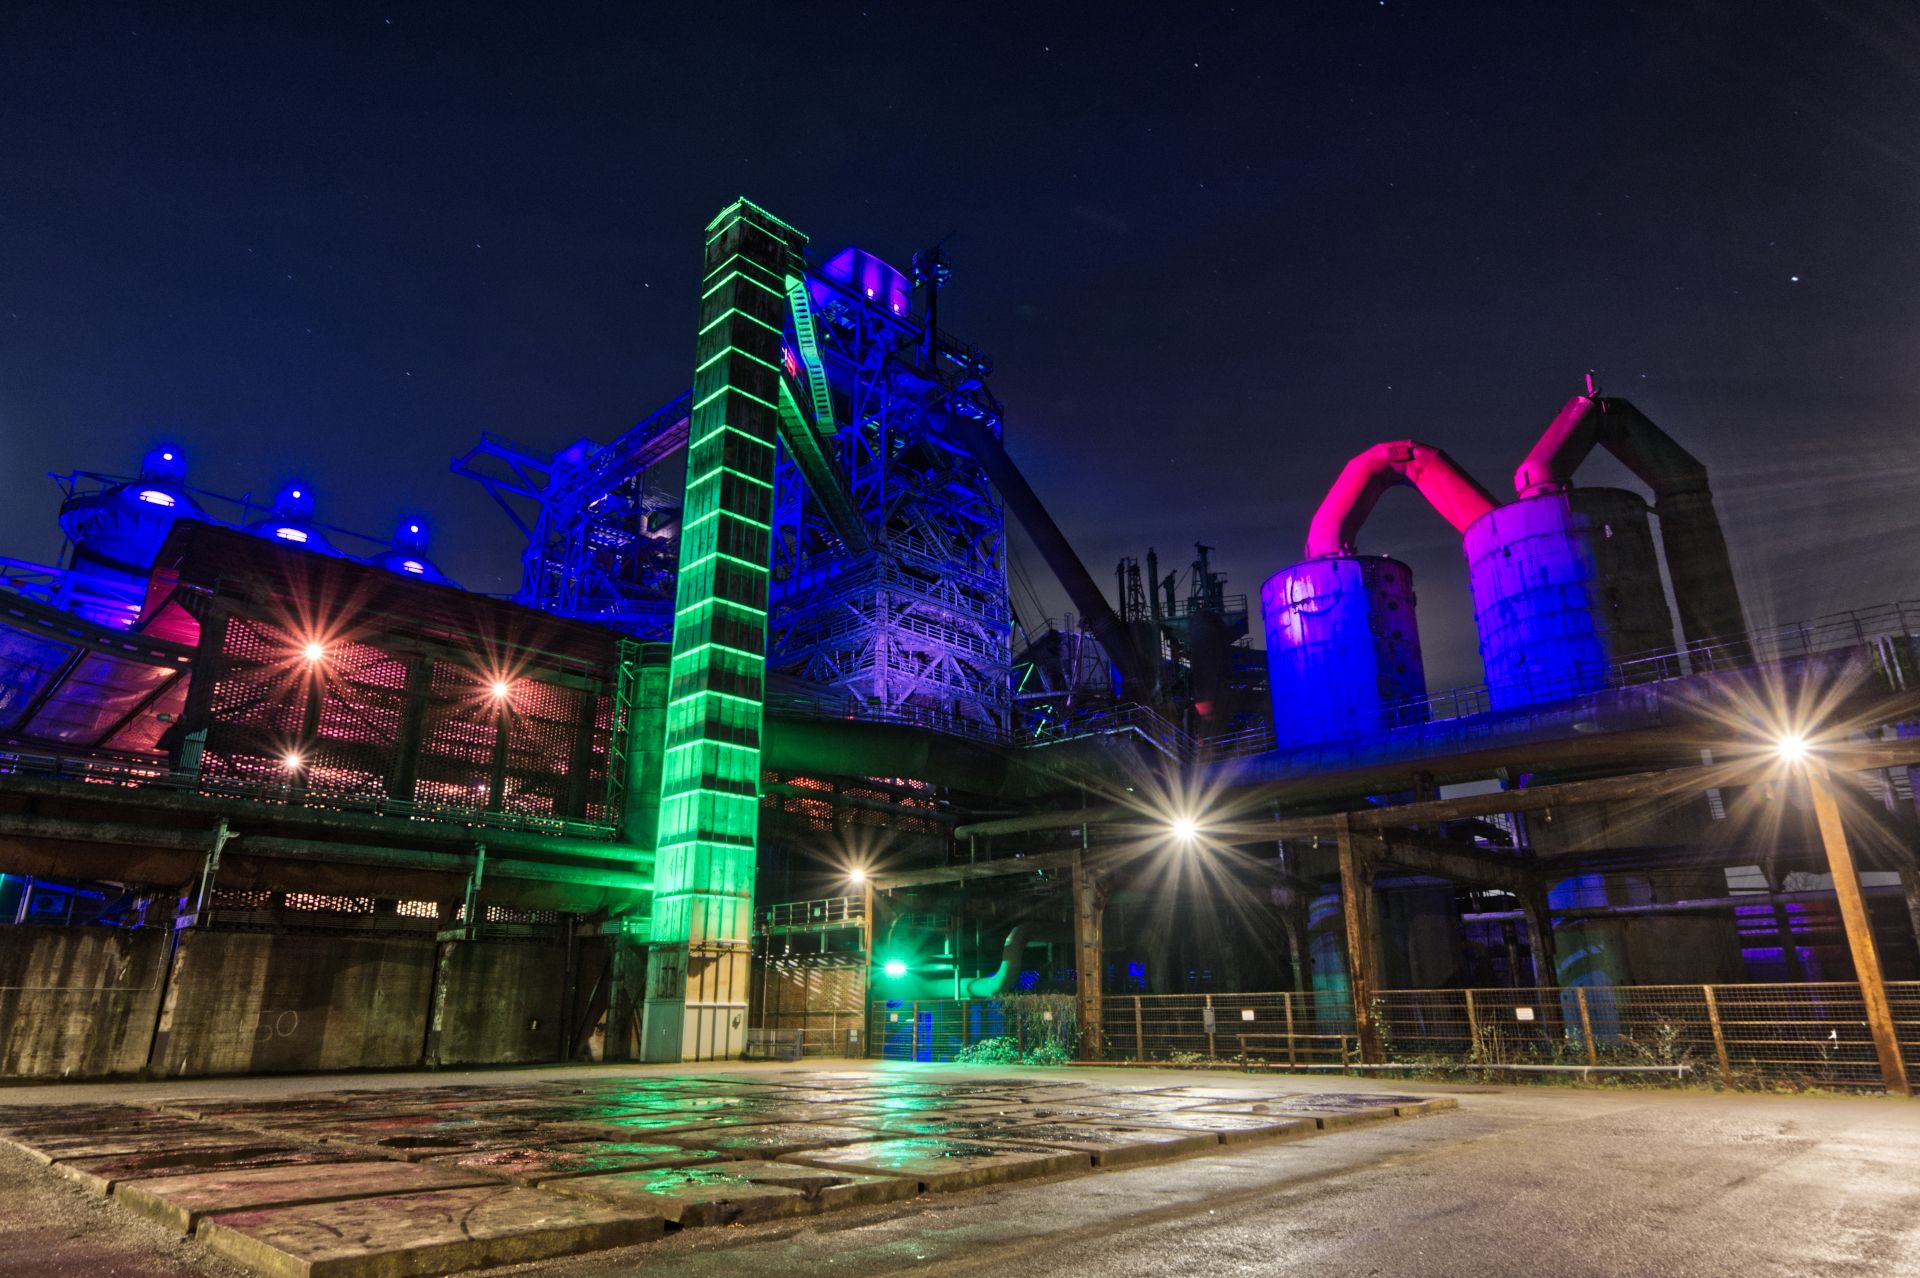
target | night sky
x=1214, y=251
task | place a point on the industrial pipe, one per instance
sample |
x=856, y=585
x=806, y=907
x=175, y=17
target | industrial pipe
x=1697, y=558
x=996, y=981
x=974, y=436
x=1450, y=490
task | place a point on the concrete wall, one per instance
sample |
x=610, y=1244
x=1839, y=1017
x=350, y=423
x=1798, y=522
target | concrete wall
x=78, y=1002
x=499, y=1003
x=88, y=1002
x=244, y=1002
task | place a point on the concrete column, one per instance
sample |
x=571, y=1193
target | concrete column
x=1089, y=937
x=1356, y=909
x=1540, y=937
x=1293, y=921
x=699, y=974
x=1910, y=882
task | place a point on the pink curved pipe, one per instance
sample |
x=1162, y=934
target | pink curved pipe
x=1704, y=588
x=1455, y=494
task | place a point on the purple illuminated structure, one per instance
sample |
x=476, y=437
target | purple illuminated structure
x=1343, y=644
x=888, y=589
x=1566, y=581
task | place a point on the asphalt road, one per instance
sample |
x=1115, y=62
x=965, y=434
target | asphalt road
x=1518, y=1181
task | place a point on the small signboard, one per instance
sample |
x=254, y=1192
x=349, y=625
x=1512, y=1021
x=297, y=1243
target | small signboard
x=1246, y=1013
x=1523, y=1013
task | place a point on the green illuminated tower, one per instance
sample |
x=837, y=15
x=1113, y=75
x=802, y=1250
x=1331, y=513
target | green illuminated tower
x=698, y=971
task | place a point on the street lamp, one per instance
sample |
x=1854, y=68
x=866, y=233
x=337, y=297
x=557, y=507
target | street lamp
x=1184, y=829
x=1791, y=747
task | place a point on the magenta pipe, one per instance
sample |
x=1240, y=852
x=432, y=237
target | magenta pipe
x=1704, y=588
x=1448, y=489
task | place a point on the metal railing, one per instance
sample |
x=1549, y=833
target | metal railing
x=792, y=1035
x=1768, y=647
x=1809, y=1035
x=157, y=776
x=807, y=916
x=1745, y=1035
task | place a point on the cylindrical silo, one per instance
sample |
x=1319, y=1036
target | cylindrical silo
x=1343, y=648
x=1566, y=585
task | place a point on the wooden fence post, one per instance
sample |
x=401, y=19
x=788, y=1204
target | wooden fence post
x=1586, y=1024
x=1719, y=1038
x=1139, y=1032
x=1286, y=999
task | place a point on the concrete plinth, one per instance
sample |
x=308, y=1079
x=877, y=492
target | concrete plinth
x=179, y=1202
x=536, y=1165
x=741, y=1193
x=1118, y=1144
x=940, y=1164
x=241, y=1154
x=437, y=1232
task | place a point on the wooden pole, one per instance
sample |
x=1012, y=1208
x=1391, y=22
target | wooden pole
x=1356, y=891
x=1719, y=1037
x=1859, y=925
x=1287, y=1000
x=1586, y=1024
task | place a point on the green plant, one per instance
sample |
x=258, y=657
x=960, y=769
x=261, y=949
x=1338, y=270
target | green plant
x=989, y=1051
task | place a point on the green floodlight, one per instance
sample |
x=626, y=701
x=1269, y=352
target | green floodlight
x=894, y=967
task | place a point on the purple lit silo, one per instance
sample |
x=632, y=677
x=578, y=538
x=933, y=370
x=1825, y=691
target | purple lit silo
x=1566, y=585
x=1343, y=648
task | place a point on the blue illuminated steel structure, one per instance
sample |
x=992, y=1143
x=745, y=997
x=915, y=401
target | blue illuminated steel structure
x=888, y=588
x=602, y=522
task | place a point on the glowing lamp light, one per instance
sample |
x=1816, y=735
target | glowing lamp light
x=166, y=456
x=856, y=875
x=314, y=652
x=290, y=534
x=1184, y=829
x=894, y=967
x=1791, y=748
x=292, y=761
x=154, y=497
x=413, y=527
x=413, y=565
x=501, y=690
x=296, y=492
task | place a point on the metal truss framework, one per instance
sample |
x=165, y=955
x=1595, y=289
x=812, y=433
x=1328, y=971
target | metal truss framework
x=888, y=585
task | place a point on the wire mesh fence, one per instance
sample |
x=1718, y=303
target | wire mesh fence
x=1036, y=1028
x=1807, y=1035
